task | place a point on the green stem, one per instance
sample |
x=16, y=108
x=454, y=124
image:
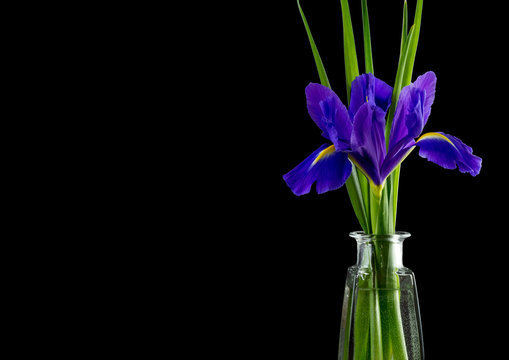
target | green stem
x=393, y=194
x=367, y=327
x=362, y=322
x=388, y=289
x=380, y=213
x=375, y=327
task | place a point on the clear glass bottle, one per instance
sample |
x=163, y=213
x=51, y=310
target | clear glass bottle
x=380, y=318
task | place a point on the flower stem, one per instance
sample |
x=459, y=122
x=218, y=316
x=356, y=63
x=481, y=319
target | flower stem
x=381, y=218
x=388, y=289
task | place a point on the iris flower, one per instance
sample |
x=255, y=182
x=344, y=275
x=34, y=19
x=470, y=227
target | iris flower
x=357, y=135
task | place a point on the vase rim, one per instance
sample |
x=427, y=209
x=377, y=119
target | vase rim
x=361, y=236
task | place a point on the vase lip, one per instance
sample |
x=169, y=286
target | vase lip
x=397, y=236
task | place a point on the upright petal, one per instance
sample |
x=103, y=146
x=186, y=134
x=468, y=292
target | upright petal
x=409, y=116
x=329, y=113
x=413, y=109
x=428, y=83
x=448, y=152
x=368, y=140
x=367, y=86
x=327, y=167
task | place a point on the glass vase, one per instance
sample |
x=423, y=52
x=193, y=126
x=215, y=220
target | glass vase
x=380, y=318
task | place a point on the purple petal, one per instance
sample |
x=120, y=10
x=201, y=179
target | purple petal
x=329, y=113
x=327, y=167
x=428, y=83
x=368, y=140
x=396, y=155
x=408, y=118
x=448, y=151
x=367, y=86
x=413, y=109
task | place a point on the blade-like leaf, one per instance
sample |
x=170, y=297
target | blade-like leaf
x=404, y=30
x=398, y=85
x=403, y=78
x=393, y=194
x=393, y=179
x=351, y=72
x=412, y=45
x=368, y=57
x=355, y=185
x=351, y=66
x=324, y=80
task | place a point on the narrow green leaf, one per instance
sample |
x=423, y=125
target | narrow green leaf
x=407, y=54
x=398, y=85
x=368, y=57
x=412, y=45
x=403, y=78
x=351, y=72
x=393, y=194
x=324, y=80
x=353, y=186
x=404, y=30
x=364, y=184
x=356, y=184
x=393, y=179
x=351, y=66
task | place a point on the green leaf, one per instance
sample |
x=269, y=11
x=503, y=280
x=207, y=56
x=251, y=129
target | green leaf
x=407, y=54
x=355, y=192
x=351, y=72
x=368, y=57
x=351, y=66
x=404, y=30
x=393, y=189
x=356, y=184
x=318, y=60
x=412, y=45
x=403, y=78
x=397, y=85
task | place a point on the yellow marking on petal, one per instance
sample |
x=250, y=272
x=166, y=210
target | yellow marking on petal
x=324, y=153
x=436, y=136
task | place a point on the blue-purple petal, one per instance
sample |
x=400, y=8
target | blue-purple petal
x=409, y=116
x=329, y=113
x=449, y=152
x=328, y=168
x=368, y=140
x=413, y=109
x=383, y=94
x=428, y=83
x=367, y=86
x=395, y=156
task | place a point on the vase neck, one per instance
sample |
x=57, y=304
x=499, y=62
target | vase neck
x=380, y=251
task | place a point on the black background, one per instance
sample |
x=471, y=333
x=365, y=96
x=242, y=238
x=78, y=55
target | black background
x=284, y=258
x=213, y=96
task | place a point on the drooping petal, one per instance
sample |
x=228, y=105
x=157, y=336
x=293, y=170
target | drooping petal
x=368, y=140
x=448, y=151
x=396, y=155
x=327, y=167
x=329, y=113
x=367, y=86
x=409, y=116
x=428, y=83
